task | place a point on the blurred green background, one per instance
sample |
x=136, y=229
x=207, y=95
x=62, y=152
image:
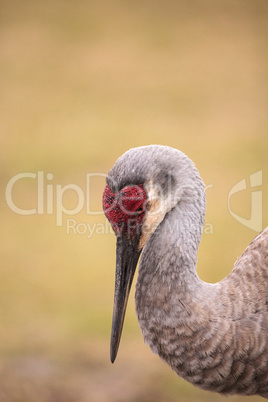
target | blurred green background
x=82, y=82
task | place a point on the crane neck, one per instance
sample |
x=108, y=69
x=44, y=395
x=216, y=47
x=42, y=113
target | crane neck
x=171, y=252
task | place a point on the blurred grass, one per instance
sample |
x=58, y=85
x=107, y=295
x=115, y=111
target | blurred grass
x=80, y=84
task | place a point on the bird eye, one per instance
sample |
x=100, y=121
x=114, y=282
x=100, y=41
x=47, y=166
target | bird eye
x=140, y=209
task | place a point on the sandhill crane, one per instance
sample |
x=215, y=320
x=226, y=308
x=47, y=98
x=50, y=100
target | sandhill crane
x=213, y=335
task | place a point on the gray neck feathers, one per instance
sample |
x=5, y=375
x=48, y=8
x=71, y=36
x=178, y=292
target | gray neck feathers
x=174, y=244
x=171, y=252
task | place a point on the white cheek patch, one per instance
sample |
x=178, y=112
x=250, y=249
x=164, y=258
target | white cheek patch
x=158, y=205
x=151, y=221
x=156, y=210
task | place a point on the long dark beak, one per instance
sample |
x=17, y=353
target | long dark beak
x=127, y=256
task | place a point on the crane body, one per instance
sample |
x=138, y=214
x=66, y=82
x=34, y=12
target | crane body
x=213, y=335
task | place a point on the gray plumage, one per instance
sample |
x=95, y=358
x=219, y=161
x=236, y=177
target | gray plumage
x=213, y=335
